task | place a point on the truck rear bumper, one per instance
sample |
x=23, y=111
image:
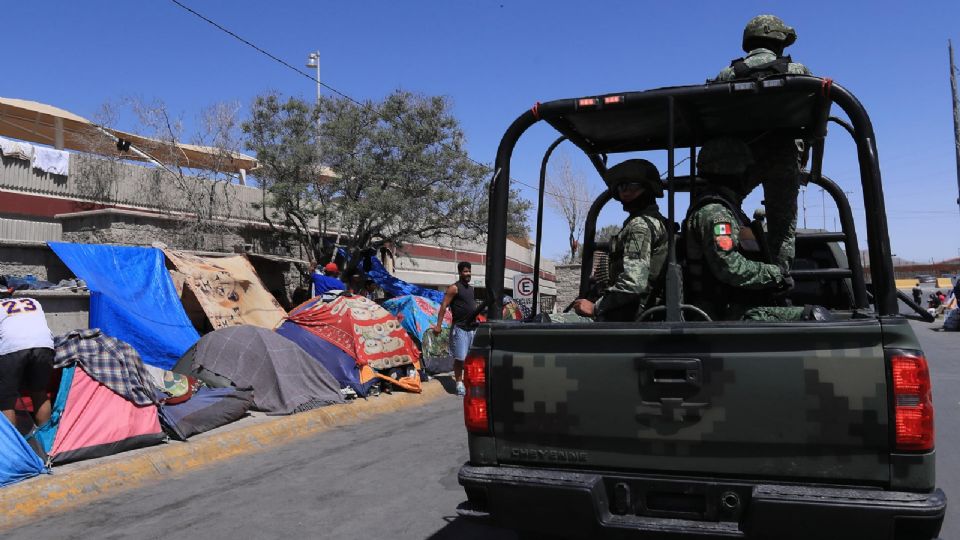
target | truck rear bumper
x=583, y=505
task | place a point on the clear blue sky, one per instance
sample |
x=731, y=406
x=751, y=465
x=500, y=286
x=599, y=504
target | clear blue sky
x=494, y=59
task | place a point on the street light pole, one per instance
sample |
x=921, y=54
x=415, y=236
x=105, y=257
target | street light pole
x=313, y=61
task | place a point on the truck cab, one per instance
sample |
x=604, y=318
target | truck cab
x=677, y=426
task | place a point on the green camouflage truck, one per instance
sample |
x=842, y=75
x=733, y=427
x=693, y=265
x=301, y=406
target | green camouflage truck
x=679, y=427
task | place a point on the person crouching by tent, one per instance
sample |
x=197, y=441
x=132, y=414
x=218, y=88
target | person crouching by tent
x=26, y=357
x=328, y=281
x=460, y=298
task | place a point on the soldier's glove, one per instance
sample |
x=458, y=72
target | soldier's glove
x=787, y=285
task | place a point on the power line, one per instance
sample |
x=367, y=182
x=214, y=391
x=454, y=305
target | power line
x=334, y=90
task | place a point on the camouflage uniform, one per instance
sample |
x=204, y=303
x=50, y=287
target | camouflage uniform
x=726, y=272
x=760, y=56
x=778, y=159
x=636, y=263
x=723, y=280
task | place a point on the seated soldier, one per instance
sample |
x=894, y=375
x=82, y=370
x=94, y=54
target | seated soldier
x=729, y=275
x=639, y=252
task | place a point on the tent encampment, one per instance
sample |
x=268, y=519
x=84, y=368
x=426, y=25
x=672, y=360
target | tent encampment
x=105, y=403
x=17, y=460
x=365, y=331
x=133, y=298
x=284, y=378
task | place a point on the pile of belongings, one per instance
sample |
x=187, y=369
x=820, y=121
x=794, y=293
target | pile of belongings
x=418, y=316
x=188, y=407
x=373, y=339
x=282, y=377
x=29, y=282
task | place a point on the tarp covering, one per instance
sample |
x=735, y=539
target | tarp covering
x=90, y=420
x=365, y=331
x=417, y=314
x=394, y=285
x=133, y=298
x=17, y=460
x=340, y=364
x=229, y=290
x=284, y=378
x=209, y=408
x=362, y=329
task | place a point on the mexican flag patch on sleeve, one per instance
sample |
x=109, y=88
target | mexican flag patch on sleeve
x=721, y=229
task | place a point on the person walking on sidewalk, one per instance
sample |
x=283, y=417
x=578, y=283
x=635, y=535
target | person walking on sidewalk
x=26, y=357
x=460, y=298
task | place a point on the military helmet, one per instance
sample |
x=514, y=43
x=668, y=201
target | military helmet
x=631, y=171
x=726, y=156
x=768, y=27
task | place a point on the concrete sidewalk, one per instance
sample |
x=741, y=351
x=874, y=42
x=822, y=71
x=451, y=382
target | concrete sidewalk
x=78, y=484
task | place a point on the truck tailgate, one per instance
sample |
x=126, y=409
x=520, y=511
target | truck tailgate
x=790, y=401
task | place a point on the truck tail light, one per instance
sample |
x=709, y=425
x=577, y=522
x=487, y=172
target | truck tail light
x=475, y=411
x=913, y=401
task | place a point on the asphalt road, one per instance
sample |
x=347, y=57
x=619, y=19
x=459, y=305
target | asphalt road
x=399, y=482
x=395, y=477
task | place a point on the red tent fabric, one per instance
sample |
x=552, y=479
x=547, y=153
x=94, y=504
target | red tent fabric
x=365, y=331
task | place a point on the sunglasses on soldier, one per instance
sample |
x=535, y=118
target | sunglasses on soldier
x=629, y=186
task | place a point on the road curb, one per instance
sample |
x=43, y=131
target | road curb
x=55, y=493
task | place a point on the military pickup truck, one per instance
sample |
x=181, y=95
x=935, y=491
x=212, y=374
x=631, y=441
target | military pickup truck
x=679, y=427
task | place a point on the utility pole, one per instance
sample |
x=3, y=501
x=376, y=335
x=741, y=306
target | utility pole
x=956, y=115
x=803, y=191
x=823, y=208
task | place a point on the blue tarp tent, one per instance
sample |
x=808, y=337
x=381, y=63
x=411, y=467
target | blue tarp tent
x=340, y=364
x=416, y=314
x=390, y=284
x=133, y=299
x=17, y=460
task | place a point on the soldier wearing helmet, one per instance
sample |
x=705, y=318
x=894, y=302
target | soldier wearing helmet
x=779, y=159
x=639, y=251
x=764, y=39
x=728, y=273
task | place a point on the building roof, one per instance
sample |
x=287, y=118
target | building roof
x=45, y=124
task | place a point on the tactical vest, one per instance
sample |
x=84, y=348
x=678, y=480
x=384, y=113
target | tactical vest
x=702, y=288
x=780, y=66
x=658, y=267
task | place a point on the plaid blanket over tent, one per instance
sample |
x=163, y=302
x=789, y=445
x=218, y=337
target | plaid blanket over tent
x=110, y=361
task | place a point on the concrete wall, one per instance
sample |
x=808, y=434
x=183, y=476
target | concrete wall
x=65, y=309
x=120, y=183
x=568, y=284
x=128, y=227
x=32, y=258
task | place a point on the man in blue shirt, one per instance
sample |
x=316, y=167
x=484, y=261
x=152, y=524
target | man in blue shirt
x=328, y=280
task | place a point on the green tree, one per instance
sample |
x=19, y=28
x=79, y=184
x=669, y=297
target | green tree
x=284, y=136
x=399, y=170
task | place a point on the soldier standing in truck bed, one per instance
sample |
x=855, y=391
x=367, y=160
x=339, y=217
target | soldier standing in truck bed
x=778, y=158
